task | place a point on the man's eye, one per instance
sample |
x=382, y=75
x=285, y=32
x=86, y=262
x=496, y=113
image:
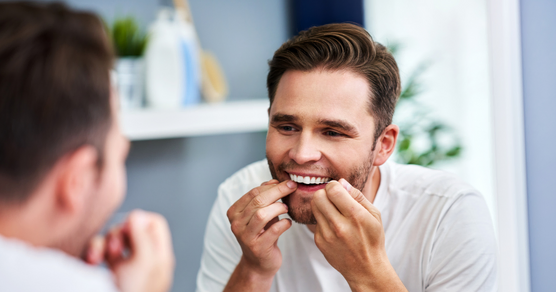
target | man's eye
x=287, y=128
x=332, y=134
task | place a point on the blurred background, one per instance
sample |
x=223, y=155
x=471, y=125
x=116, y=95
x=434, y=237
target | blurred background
x=475, y=73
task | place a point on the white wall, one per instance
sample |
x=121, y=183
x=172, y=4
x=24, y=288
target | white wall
x=453, y=36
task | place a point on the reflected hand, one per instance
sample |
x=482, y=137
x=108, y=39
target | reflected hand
x=138, y=252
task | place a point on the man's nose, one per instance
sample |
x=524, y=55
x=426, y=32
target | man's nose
x=306, y=150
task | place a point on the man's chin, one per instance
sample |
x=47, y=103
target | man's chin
x=307, y=219
x=300, y=213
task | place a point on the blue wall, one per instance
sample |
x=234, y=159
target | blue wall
x=179, y=178
x=538, y=19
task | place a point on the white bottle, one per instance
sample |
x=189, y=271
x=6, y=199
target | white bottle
x=165, y=63
x=191, y=57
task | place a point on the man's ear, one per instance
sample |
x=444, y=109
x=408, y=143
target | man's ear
x=386, y=144
x=78, y=177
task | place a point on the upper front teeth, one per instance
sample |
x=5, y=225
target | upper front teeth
x=308, y=179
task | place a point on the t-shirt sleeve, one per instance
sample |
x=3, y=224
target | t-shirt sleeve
x=463, y=256
x=221, y=252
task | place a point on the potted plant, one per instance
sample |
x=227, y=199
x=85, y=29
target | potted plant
x=438, y=141
x=129, y=43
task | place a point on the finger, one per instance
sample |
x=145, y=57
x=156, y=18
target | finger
x=343, y=200
x=95, y=251
x=270, y=236
x=322, y=229
x=274, y=220
x=322, y=221
x=361, y=199
x=354, y=193
x=270, y=196
x=236, y=215
x=270, y=182
x=140, y=243
x=115, y=245
x=162, y=238
x=325, y=205
x=262, y=217
x=240, y=204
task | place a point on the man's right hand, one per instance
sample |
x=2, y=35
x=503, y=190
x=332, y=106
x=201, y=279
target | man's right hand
x=139, y=253
x=255, y=224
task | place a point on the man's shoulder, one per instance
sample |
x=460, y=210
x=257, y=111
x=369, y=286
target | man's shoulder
x=417, y=179
x=49, y=269
x=247, y=178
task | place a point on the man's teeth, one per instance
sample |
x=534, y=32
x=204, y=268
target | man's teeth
x=308, y=179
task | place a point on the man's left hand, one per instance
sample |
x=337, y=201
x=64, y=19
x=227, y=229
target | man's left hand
x=349, y=233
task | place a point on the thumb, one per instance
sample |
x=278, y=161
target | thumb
x=137, y=229
x=360, y=198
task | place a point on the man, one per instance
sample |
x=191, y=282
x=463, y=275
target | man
x=361, y=223
x=62, y=154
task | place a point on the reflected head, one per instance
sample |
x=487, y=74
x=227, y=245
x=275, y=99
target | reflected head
x=54, y=91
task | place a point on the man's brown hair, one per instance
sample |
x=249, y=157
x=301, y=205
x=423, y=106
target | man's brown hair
x=54, y=91
x=342, y=46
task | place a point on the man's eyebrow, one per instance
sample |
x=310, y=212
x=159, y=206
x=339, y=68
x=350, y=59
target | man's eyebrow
x=339, y=124
x=277, y=118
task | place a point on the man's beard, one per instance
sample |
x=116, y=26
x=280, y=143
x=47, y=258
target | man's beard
x=76, y=243
x=303, y=213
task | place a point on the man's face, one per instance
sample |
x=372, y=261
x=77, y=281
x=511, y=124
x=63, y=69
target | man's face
x=110, y=188
x=320, y=129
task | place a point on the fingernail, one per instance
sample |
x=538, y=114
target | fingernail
x=286, y=206
x=345, y=184
x=291, y=184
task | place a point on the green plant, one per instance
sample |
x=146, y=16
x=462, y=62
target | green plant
x=128, y=39
x=423, y=139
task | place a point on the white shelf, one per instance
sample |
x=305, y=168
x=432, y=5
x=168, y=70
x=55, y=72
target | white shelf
x=204, y=119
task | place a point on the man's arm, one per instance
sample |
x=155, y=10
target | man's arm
x=350, y=235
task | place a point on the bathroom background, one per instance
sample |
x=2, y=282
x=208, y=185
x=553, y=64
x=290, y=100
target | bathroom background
x=179, y=177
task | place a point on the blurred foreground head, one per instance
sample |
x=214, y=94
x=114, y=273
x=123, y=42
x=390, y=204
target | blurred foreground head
x=61, y=152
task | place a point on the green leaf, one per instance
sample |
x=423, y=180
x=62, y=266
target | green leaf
x=456, y=151
x=128, y=39
x=404, y=144
x=418, y=123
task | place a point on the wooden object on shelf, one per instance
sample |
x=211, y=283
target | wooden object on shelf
x=203, y=119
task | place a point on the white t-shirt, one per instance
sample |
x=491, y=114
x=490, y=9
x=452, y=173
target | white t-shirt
x=439, y=236
x=24, y=268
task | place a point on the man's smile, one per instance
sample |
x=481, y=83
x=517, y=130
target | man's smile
x=307, y=184
x=309, y=179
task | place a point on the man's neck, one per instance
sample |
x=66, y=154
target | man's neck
x=369, y=190
x=25, y=222
x=372, y=185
